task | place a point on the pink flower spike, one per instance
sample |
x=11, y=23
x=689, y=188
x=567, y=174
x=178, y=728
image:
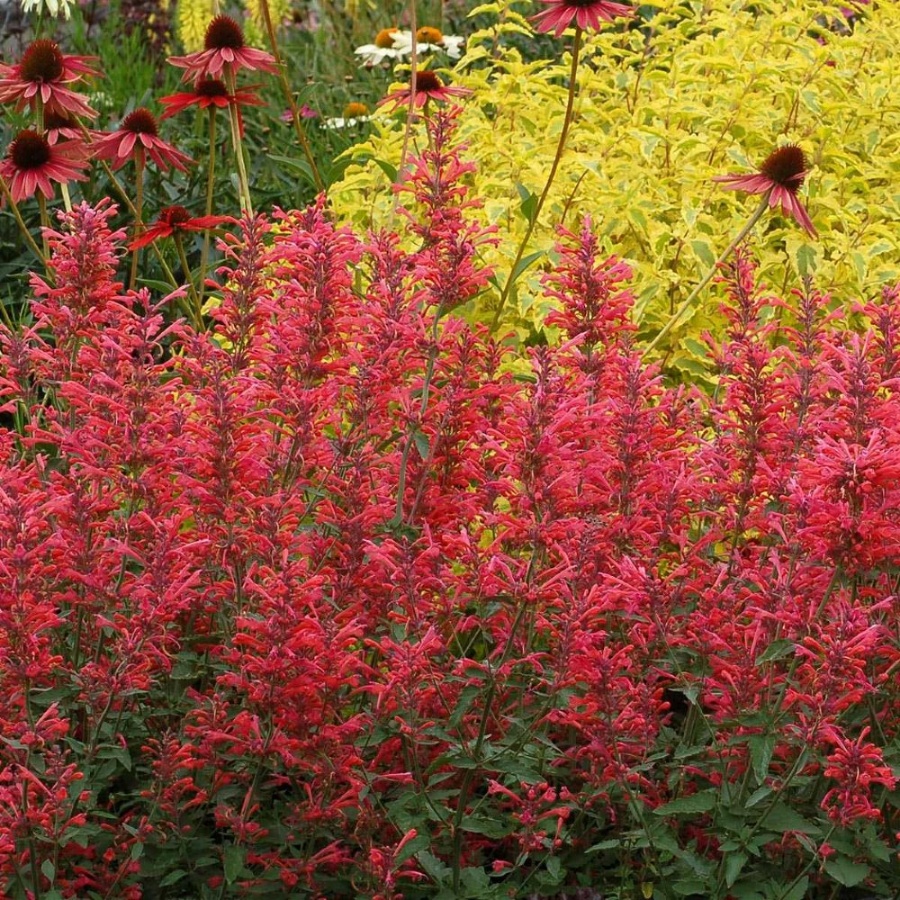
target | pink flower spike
x=780, y=177
x=587, y=14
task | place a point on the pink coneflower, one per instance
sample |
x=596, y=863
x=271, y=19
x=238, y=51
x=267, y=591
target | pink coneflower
x=32, y=164
x=42, y=75
x=224, y=51
x=173, y=220
x=779, y=178
x=428, y=87
x=587, y=14
x=208, y=93
x=138, y=135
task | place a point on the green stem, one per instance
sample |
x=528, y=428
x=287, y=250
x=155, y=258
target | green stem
x=763, y=204
x=196, y=314
x=138, y=214
x=289, y=96
x=21, y=222
x=45, y=223
x=238, y=146
x=210, y=188
x=560, y=147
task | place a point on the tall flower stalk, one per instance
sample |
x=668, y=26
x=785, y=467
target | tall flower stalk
x=560, y=147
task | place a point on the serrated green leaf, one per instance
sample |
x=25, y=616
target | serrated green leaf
x=775, y=650
x=234, y=863
x=734, y=863
x=783, y=818
x=845, y=871
x=172, y=878
x=798, y=891
x=762, y=746
x=696, y=803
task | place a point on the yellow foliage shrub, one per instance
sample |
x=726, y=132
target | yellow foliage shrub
x=664, y=104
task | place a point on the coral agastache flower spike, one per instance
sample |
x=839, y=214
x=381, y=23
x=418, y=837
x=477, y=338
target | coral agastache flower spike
x=224, y=52
x=32, y=164
x=173, y=220
x=586, y=14
x=42, y=76
x=779, y=178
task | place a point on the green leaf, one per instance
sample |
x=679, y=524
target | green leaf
x=604, y=845
x=806, y=259
x=783, y=818
x=48, y=870
x=798, y=891
x=554, y=868
x=433, y=867
x=775, y=650
x=524, y=263
x=491, y=828
x=759, y=794
x=762, y=746
x=299, y=165
x=845, y=871
x=734, y=862
x=420, y=439
x=172, y=878
x=704, y=252
x=529, y=203
x=696, y=803
x=234, y=863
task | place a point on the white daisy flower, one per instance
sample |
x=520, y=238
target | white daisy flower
x=429, y=40
x=384, y=47
x=354, y=114
x=53, y=7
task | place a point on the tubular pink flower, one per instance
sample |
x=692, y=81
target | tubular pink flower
x=586, y=14
x=780, y=178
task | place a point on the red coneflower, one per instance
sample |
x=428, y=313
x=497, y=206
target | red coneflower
x=428, y=87
x=138, y=135
x=587, y=14
x=208, y=93
x=42, y=75
x=779, y=178
x=224, y=51
x=32, y=164
x=173, y=220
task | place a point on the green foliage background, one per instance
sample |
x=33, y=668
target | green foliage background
x=688, y=91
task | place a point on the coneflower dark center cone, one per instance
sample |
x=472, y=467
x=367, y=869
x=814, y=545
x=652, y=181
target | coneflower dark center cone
x=174, y=215
x=211, y=87
x=786, y=166
x=141, y=121
x=428, y=81
x=29, y=151
x=42, y=61
x=223, y=32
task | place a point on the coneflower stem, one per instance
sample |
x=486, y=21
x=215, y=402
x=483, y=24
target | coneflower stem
x=763, y=205
x=238, y=146
x=289, y=96
x=411, y=111
x=189, y=282
x=210, y=188
x=45, y=223
x=138, y=214
x=21, y=222
x=560, y=147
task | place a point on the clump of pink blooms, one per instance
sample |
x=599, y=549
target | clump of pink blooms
x=341, y=597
